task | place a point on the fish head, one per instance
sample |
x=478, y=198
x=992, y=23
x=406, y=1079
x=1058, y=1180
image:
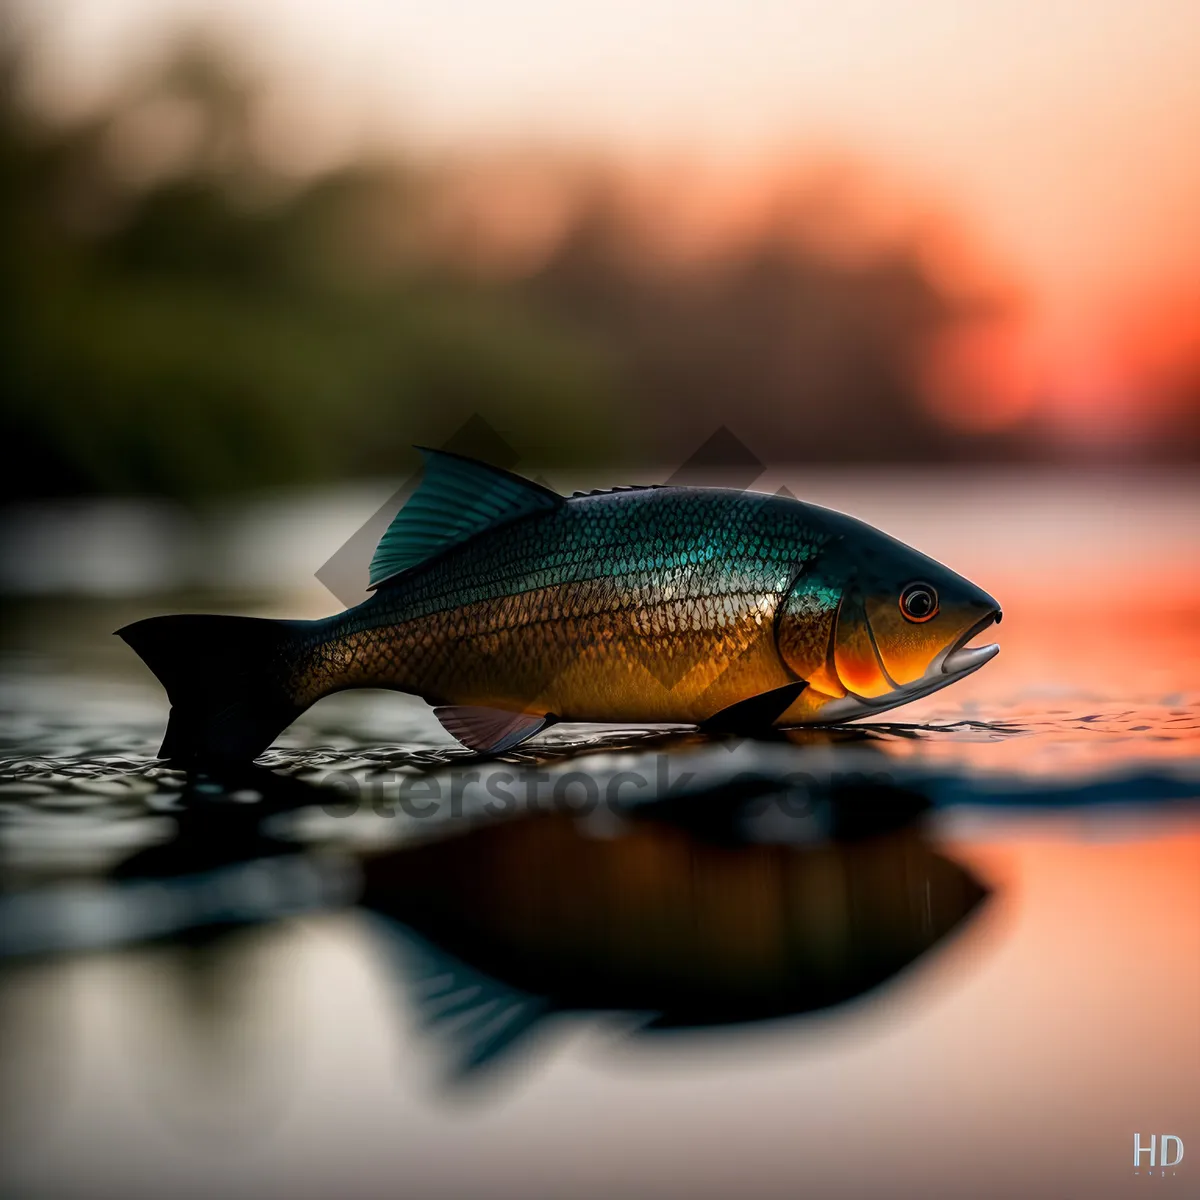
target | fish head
x=875, y=623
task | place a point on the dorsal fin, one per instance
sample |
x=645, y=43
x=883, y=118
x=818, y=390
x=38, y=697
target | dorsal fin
x=621, y=487
x=457, y=498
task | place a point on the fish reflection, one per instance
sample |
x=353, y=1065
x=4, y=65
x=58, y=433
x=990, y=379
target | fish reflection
x=507, y=924
x=759, y=895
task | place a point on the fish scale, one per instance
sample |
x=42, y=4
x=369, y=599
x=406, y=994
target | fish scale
x=740, y=536
x=545, y=603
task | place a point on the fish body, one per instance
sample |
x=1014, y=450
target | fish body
x=651, y=605
x=508, y=607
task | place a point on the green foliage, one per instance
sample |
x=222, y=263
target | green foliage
x=203, y=323
x=176, y=338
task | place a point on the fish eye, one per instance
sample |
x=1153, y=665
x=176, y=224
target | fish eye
x=919, y=602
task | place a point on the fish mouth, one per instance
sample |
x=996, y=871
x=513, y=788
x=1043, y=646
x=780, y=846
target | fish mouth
x=960, y=659
x=956, y=662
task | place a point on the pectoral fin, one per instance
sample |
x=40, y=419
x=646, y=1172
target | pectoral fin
x=756, y=713
x=490, y=730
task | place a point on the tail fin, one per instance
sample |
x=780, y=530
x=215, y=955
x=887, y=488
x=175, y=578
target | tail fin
x=227, y=678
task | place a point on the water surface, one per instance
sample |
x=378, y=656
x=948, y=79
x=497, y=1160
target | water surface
x=956, y=953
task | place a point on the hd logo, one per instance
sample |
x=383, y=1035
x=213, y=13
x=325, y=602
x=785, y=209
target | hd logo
x=1169, y=1152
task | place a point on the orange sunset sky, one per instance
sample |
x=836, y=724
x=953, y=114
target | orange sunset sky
x=1050, y=149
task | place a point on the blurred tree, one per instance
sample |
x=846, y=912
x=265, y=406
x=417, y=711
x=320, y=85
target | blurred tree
x=181, y=318
x=808, y=358
x=208, y=326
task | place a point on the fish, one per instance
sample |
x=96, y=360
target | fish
x=497, y=930
x=509, y=607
